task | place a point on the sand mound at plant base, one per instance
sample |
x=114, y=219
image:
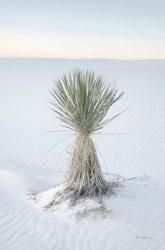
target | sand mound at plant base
x=83, y=207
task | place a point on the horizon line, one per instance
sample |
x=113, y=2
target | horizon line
x=83, y=58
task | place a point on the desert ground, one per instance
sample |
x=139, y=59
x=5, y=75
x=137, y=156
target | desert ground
x=34, y=159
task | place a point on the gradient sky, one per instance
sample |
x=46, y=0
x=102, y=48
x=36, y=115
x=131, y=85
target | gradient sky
x=126, y=29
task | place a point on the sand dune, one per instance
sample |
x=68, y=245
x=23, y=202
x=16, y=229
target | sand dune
x=33, y=160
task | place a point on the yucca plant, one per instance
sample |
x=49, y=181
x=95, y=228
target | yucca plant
x=81, y=101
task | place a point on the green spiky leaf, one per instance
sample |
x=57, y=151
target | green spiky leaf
x=82, y=100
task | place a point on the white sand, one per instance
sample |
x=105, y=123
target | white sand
x=32, y=160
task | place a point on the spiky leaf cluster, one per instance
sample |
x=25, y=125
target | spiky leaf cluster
x=82, y=99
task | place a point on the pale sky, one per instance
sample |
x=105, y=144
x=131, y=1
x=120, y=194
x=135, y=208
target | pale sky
x=120, y=29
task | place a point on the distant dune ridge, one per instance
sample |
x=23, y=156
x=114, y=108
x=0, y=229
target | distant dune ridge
x=33, y=160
